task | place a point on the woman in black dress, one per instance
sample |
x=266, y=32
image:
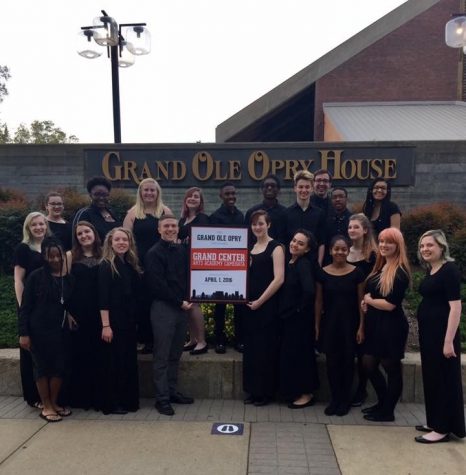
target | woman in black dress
x=266, y=276
x=439, y=316
x=84, y=317
x=298, y=377
x=27, y=258
x=143, y=220
x=386, y=326
x=192, y=214
x=42, y=326
x=60, y=228
x=362, y=255
x=381, y=212
x=340, y=289
x=99, y=213
x=119, y=280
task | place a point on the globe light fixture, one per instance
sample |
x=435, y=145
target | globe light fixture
x=455, y=32
x=121, y=49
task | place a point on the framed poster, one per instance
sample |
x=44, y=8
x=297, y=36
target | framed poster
x=218, y=264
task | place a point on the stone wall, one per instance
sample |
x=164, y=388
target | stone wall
x=440, y=174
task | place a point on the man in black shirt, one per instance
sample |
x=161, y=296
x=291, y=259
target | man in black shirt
x=304, y=215
x=227, y=215
x=337, y=220
x=322, y=185
x=166, y=265
x=277, y=212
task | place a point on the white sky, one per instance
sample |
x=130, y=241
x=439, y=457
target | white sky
x=209, y=59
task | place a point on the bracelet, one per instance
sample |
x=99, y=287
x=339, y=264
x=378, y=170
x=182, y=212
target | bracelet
x=105, y=326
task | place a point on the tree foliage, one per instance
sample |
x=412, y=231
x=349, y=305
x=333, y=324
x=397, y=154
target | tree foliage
x=4, y=76
x=39, y=132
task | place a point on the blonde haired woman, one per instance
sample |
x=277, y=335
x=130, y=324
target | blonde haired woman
x=27, y=257
x=386, y=326
x=362, y=254
x=119, y=274
x=439, y=316
x=143, y=220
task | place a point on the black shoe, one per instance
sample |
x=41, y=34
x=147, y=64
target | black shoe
x=189, y=347
x=239, y=348
x=359, y=399
x=164, y=408
x=423, y=429
x=331, y=409
x=249, y=400
x=178, y=398
x=379, y=417
x=146, y=350
x=220, y=349
x=263, y=401
x=200, y=351
x=310, y=403
x=372, y=409
x=119, y=410
x=342, y=409
x=422, y=440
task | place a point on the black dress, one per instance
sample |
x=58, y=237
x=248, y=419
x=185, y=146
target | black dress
x=29, y=260
x=63, y=232
x=387, y=210
x=200, y=220
x=85, y=338
x=118, y=369
x=42, y=318
x=93, y=215
x=386, y=332
x=261, y=329
x=339, y=326
x=297, y=366
x=443, y=391
x=365, y=266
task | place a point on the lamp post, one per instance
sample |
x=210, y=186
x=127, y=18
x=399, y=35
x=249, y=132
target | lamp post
x=123, y=43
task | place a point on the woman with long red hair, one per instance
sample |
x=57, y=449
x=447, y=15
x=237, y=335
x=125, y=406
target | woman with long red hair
x=386, y=326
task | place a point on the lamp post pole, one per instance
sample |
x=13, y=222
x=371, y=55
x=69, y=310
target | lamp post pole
x=120, y=49
x=115, y=94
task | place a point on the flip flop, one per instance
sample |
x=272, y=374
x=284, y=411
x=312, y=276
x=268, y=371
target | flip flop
x=65, y=412
x=50, y=417
x=37, y=405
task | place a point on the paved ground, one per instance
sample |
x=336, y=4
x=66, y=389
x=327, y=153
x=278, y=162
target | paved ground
x=276, y=440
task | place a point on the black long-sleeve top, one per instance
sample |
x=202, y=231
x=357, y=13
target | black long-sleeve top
x=297, y=293
x=312, y=219
x=93, y=215
x=200, y=220
x=166, y=272
x=227, y=217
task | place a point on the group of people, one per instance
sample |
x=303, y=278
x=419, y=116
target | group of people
x=320, y=278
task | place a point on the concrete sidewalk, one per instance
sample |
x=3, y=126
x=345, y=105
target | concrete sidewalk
x=276, y=440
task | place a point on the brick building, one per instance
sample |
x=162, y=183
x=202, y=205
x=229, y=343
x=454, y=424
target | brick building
x=401, y=58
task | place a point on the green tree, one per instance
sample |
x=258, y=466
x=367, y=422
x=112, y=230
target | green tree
x=4, y=76
x=4, y=134
x=42, y=132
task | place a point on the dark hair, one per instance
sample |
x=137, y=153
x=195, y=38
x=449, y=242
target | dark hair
x=77, y=251
x=227, y=183
x=368, y=206
x=257, y=214
x=273, y=177
x=345, y=191
x=50, y=194
x=323, y=171
x=309, y=236
x=96, y=181
x=340, y=237
x=46, y=283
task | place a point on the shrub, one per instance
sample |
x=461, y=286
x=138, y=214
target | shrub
x=12, y=215
x=121, y=201
x=8, y=318
x=448, y=217
x=458, y=250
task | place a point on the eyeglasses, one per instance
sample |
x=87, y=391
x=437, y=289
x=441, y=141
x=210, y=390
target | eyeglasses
x=100, y=194
x=55, y=205
x=322, y=180
x=380, y=188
